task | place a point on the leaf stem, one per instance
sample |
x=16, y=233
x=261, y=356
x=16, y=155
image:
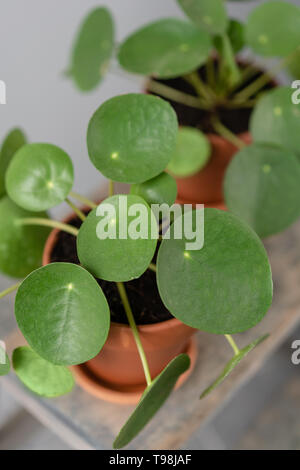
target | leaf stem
x=232, y=344
x=264, y=79
x=49, y=223
x=201, y=88
x=226, y=133
x=10, y=290
x=111, y=189
x=84, y=200
x=176, y=95
x=152, y=267
x=131, y=321
x=77, y=211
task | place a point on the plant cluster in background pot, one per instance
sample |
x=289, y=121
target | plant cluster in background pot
x=262, y=181
x=61, y=310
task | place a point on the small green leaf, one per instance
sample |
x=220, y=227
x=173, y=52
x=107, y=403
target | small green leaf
x=93, y=49
x=165, y=49
x=191, y=154
x=236, y=36
x=262, y=187
x=210, y=15
x=276, y=120
x=159, y=190
x=115, y=241
x=232, y=364
x=152, y=400
x=63, y=314
x=39, y=177
x=131, y=138
x=21, y=247
x=273, y=29
x=224, y=287
x=40, y=376
x=13, y=142
x=4, y=362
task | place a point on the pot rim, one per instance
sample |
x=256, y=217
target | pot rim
x=167, y=324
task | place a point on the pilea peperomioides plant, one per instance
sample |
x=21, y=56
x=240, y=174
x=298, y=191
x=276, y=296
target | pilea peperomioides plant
x=224, y=287
x=194, y=64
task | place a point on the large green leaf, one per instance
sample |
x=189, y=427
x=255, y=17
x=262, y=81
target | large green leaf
x=165, y=49
x=131, y=138
x=63, y=314
x=210, y=15
x=21, y=247
x=225, y=287
x=262, y=187
x=191, y=154
x=107, y=242
x=273, y=29
x=277, y=120
x=93, y=49
x=232, y=364
x=40, y=376
x=294, y=65
x=159, y=190
x=13, y=141
x=4, y=362
x=39, y=177
x=152, y=400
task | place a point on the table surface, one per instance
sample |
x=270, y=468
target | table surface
x=88, y=423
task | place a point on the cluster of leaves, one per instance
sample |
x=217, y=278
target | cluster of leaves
x=224, y=288
x=261, y=184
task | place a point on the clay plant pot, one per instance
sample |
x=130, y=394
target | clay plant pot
x=116, y=374
x=206, y=186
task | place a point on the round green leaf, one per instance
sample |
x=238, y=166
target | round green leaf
x=115, y=241
x=191, y=154
x=4, y=362
x=232, y=364
x=39, y=177
x=159, y=190
x=276, y=120
x=152, y=400
x=223, y=288
x=273, y=29
x=63, y=314
x=93, y=49
x=165, y=49
x=21, y=247
x=262, y=187
x=13, y=142
x=40, y=376
x=210, y=15
x=131, y=138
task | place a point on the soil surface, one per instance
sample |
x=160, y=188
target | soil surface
x=142, y=293
x=237, y=120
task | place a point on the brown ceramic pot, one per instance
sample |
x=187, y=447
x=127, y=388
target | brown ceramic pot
x=116, y=374
x=206, y=186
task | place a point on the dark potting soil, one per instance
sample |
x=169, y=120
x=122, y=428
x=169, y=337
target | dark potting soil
x=142, y=293
x=237, y=120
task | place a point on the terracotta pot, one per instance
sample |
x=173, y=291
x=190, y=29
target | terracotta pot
x=206, y=186
x=116, y=374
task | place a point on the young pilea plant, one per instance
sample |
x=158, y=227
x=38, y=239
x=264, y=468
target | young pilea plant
x=262, y=181
x=223, y=288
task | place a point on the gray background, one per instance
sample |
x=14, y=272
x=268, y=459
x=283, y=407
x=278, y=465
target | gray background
x=35, y=42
